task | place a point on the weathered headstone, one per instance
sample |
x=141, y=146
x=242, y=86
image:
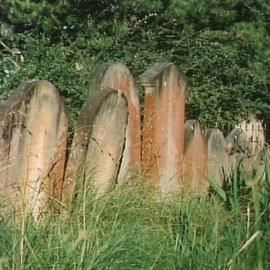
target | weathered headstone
x=236, y=142
x=237, y=147
x=252, y=169
x=195, y=159
x=218, y=158
x=245, y=145
x=98, y=143
x=33, y=137
x=117, y=76
x=163, y=126
x=254, y=132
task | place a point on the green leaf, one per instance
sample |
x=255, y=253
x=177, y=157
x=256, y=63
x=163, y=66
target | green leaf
x=217, y=188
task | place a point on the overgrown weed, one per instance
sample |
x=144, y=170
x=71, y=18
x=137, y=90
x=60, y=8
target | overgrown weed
x=129, y=228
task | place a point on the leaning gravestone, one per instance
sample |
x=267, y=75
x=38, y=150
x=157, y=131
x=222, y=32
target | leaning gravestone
x=218, y=159
x=163, y=126
x=117, y=76
x=195, y=159
x=33, y=130
x=98, y=144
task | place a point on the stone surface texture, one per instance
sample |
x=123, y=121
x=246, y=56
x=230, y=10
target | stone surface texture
x=254, y=132
x=117, y=76
x=195, y=162
x=218, y=158
x=98, y=143
x=163, y=126
x=33, y=132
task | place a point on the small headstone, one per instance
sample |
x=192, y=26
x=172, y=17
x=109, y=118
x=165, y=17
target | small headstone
x=163, y=126
x=218, y=159
x=117, y=76
x=237, y=147
x=98, y=144
x=195, y=159
x=252, y=170
x=246, y=144
x=254, y=132
x=236, y=142
x=33, y=138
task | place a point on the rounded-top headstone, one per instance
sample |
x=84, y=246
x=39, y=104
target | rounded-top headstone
x=33, y=131
x=195, y=159
x=98, y=143
x=218, y=159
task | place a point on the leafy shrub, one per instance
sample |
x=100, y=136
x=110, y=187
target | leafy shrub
x=221, y=47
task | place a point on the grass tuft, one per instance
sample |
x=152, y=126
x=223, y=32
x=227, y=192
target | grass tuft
x=129, y=228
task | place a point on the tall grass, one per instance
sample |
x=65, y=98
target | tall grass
x=130, y=228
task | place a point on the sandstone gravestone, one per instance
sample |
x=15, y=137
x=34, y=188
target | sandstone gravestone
x=252, y=169
x=163, y=126
x=33, y=131
x=254, y=132
x=237, y=147
x=98, y=144
x=117, y=76
x=236, y=142
x=195, y=160
x=218, y=159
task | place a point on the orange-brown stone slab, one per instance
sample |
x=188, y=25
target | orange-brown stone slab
x=33, y=130
x=163, y=126
x=195, y=161
x=117, y=76
x=98, y=144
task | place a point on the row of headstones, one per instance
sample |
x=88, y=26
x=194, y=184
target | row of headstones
x=110, y=144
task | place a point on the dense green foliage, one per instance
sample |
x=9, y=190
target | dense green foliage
x=221, y=46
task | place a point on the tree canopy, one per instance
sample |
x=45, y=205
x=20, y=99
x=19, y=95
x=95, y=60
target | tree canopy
x=221, y=46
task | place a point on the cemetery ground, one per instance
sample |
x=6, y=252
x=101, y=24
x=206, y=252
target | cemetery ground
x=130, y=228
x=222, y=47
